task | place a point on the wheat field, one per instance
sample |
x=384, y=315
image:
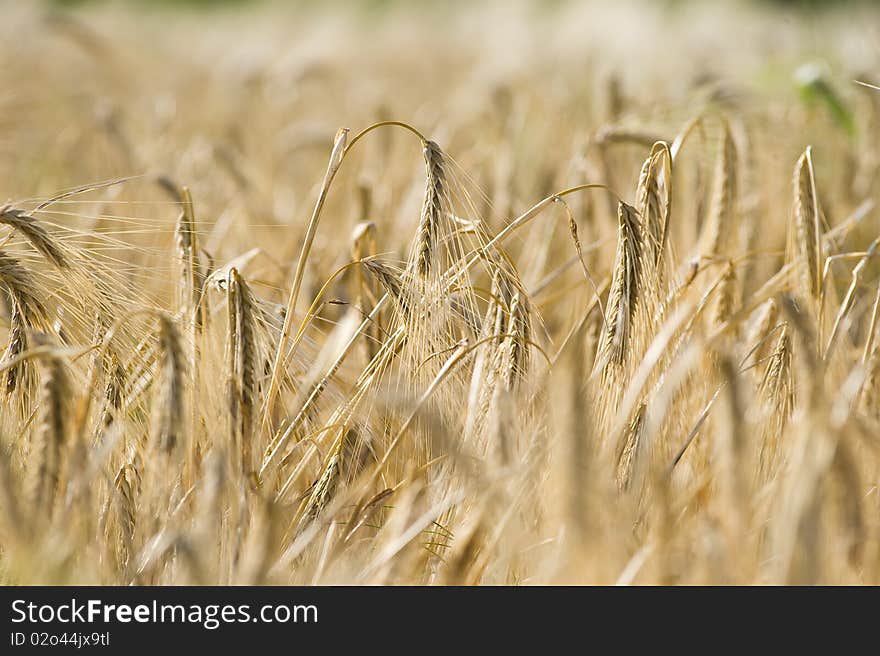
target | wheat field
x=439, y=294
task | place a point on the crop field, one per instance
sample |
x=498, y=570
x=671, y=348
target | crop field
x=439, y=293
